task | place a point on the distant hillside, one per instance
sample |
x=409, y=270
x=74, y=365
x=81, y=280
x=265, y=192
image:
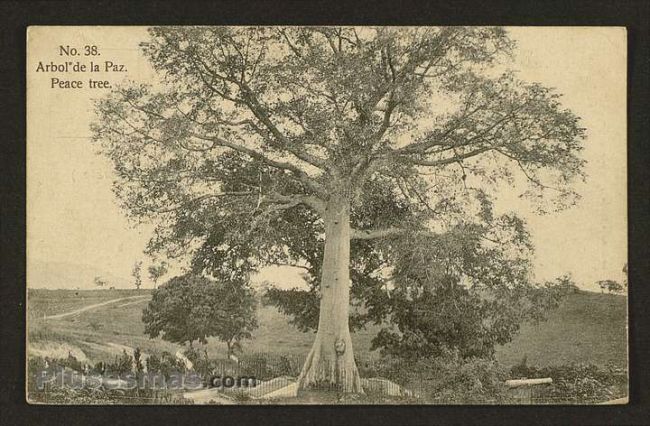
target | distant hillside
x=58, y=275
x=586, y=328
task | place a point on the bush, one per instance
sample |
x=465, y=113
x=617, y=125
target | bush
x=262, y=366
x=387, y=367
x=288, y=367
x=452, y=379
x=446, y=379
x=60, y=391
x=576, y=383
x=165, y=364
x=38, y=363
x=35, y=366
x=205, y=366
x=199, y=360
x=86, y=396
x=121, y=365
x=256, y=365
x=95, y=325
x=70, y=362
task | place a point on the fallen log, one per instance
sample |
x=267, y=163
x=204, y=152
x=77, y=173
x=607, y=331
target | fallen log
x=515, y=383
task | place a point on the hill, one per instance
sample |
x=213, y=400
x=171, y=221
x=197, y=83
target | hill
x=586, y=328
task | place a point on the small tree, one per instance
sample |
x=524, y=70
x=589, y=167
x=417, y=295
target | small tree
x=137, y=359
x=137, y=267
x=99, y=282
x=192, y=308
x=138, y=367
x=611, y=286
x=157, y=271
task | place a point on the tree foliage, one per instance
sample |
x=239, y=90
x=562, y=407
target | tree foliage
x=136, y=274
x=192, y=308
x=157, y=271
x=468, y=289
x=252, y=132
x=611, y=286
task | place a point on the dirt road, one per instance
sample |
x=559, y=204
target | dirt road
x=89, y=307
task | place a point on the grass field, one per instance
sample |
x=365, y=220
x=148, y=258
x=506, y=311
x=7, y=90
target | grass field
x=50, y=302
x=586, y=328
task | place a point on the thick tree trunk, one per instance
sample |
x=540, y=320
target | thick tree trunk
x=330, y=363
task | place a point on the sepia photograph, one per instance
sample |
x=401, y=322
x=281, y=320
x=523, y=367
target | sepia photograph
x=283, y=215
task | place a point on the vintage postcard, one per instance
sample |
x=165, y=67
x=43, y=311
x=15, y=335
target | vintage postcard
x=326, y=215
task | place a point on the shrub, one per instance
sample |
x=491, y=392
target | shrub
x=288, y=367
x=204, y=365
x=452, y=379
x=35, y=365
x=165, y=364
x=137, y=358
x=576, y=383
x=445, y=379
x=121, y=365
x=86, y=396
x=95, y=325
x=69, y=362
x=388, y=367
x=256, y=365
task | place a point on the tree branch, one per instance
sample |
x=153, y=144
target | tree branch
x=264, y=117
x=371, y=234
x=314, y=202
x=197, y=200
x=454, y=159
x=300, y=174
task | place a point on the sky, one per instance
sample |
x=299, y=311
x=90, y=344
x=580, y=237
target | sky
x=73, y=216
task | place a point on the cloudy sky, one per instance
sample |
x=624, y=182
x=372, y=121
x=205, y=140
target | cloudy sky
x=73, y=217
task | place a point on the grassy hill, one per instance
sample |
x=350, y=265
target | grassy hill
x=587, y=328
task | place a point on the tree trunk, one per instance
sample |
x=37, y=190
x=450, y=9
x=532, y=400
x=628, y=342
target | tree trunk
x=330, y=363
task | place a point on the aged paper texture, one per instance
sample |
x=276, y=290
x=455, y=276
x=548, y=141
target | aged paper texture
x=325, y=215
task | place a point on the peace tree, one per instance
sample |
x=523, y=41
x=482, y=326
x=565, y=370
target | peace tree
x=367, y=156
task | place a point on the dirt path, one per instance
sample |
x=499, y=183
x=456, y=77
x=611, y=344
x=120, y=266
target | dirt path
x=89, y=307
x=131, y=303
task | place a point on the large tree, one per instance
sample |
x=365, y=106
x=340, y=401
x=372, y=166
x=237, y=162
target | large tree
x=290, y=145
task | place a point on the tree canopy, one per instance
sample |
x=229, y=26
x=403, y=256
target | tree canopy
x=156, y=271
x=611, y=286
x=249, y=122
x=135, y=273
x=192, y=308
